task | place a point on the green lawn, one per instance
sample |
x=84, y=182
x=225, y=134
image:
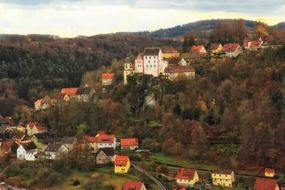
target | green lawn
x=164, y=159
x=105, y=174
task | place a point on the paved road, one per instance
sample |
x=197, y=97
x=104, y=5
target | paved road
x=155, y=180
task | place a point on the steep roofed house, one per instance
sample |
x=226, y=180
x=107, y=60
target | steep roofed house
x=133, y=185
x=68, y=93
x=35, y=128
x=266, y=184
x=85, y=93
x=169, y=52
x=197, y=51
x=216, y=48
x=184, y=62
x=232, y=50
x=224, y=178
x=252, y=45
x=107, y=79
x=55, y=150
x=129, y=144
x=175, y=71
x=105, y=155
x=122, y=164
x=186, y=177
x=269, y=172
x=44, y=103
x=27, y=151
x=101, y=140
x=69, y=142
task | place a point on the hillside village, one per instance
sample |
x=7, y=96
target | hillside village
x=32, y=141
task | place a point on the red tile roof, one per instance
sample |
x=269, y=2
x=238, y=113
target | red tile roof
x=265, y=184
x=129, y=142
x=231, y=47
x=69, y=91
x=39, y=127
x=196, y=49
x=132, y=185
x=185, y=173
x=107, y=75
x=101, y=137
x=121, y=160
x=178, y=69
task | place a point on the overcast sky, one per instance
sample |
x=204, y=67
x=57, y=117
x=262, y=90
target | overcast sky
x=70, y=18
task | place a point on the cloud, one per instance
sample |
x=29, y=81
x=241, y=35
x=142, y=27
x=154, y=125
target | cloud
x=89, y=17
x=242, y=6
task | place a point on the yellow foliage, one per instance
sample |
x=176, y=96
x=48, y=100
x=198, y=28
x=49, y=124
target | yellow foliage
x=202, y=105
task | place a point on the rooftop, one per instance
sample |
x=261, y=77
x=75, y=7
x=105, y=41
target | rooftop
x=185, y=173
x=121, y=160
x=151, y=51
x=132, y=185
x=129, y=142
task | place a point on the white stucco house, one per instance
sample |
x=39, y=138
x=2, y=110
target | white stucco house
x=27, y=151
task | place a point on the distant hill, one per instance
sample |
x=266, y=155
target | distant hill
x=281, y=25
x=181, y=30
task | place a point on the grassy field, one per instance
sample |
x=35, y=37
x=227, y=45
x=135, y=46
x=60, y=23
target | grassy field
x=105, y=174
x=164, y=159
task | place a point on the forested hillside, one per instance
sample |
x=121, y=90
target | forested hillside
x=36, y=64
x=232, y=114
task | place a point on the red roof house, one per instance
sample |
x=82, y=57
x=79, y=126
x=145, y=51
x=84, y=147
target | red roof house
x=107, y=78
x=130, y=143
x=35, y=128
x=69, y=91
x=122, y=164
x=198, y=50
x=266, y=184
x=121, y=160
x=133, y=185
x=232, y=49
x=253, y=44
x=187, y=177
x=101, y=140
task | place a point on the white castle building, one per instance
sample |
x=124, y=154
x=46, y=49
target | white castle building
x=150, y=62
